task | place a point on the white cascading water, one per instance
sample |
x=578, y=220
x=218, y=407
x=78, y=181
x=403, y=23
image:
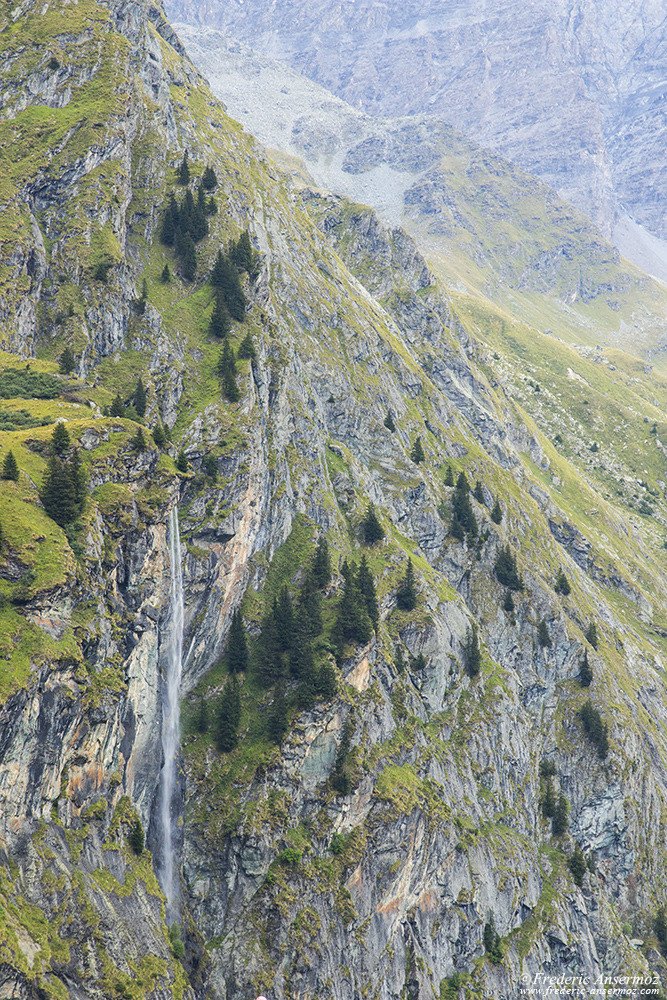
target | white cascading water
x=171, y=722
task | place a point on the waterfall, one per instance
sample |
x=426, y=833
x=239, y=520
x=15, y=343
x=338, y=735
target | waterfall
x=173, y=663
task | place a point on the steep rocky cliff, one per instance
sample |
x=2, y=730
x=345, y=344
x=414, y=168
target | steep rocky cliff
x=572, y=92
x=370, y=848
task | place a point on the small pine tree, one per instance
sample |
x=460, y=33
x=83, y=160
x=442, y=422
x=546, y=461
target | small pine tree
x=506, y=571
x=137, y=838
x=508, y=602
x=242, y=254
x=117, y=409
x=406, y=595
x=592, y=635
x=209, y=179
x=399, y=661
x=138, y=441
x=543, y=636
x=595, y=728
x=417, y=454
x=159, y=436
x=549, y=801
x=237, y=645
x=78, y=479
x=165, y=277
x=321, y=565
x=139, y=399
x=211, y=207
x=182, y=462
x=247, y=348
x=478, y=492
x=60, y=439
x=449, y=476
x=585, y=671
x=372, y=529
x=472, y=653
x=59, y=493
x=340, y=778
x=210, y=467
x=220, y=323
x=491, y=940
x=10, y=469
x=577, y=865
x=188, y=258
x=497, y=513
x=562, y=585
x=229, y=716
x=389, y=422
x=559, y=821
x=183, y=170
x=278, y=720
x=366, y=587
x=66, y=362
x=226, y=369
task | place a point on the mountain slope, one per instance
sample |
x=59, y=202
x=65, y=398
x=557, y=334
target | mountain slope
x=571, y=92
x=364, y=849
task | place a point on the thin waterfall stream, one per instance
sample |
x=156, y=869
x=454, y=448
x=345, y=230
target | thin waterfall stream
x=171, y=724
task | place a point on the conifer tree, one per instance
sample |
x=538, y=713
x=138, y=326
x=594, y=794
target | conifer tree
x=202, y=715
x=353, y=622
x=399, y=661
x=220, y=323
x=169, y=222
x=183, y=170
x=491, y=939
x=139, y=398
x=225, y=277
x=78, y=479
x=449, y=476
x=226, y=369
x=58, y=492
x=188, y=256
x=271, y=666
x=182, y=461
x=585, y=671
x=508, y=602
x=137, y=838
x=66, y=362
x=549, y=801
x=283, y=613
x=278, y=718
x=340, y=778
x=497, y=513
x=60, y=439
x=595, y=728
x=417, y=453
x=473, y=655
x=463, y=517
x=660, y=927
x=209, y=179
x=117, y=409
x=478, y=492
x=229, y=716
x=559, y=821
x=562, y=583
x=310, y=606
x=159, y=436
x=10, y=469
x=577, y=865
x=372, y=529
x=366, y=587
x=247, y=348
x=406, y=595
x=242, y=254
x=389, y=422
x=165, y=277
x=506, y=571
x=237, y=645
x=592, y=635
x=211, y=207
x=543, y=636
x=321, y=563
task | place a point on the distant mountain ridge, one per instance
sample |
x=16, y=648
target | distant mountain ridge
x=570, y=91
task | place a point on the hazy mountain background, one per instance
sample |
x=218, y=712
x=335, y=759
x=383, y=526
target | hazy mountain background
x=571, y=92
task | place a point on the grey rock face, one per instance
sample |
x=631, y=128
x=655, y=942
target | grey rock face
x=574, y=93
